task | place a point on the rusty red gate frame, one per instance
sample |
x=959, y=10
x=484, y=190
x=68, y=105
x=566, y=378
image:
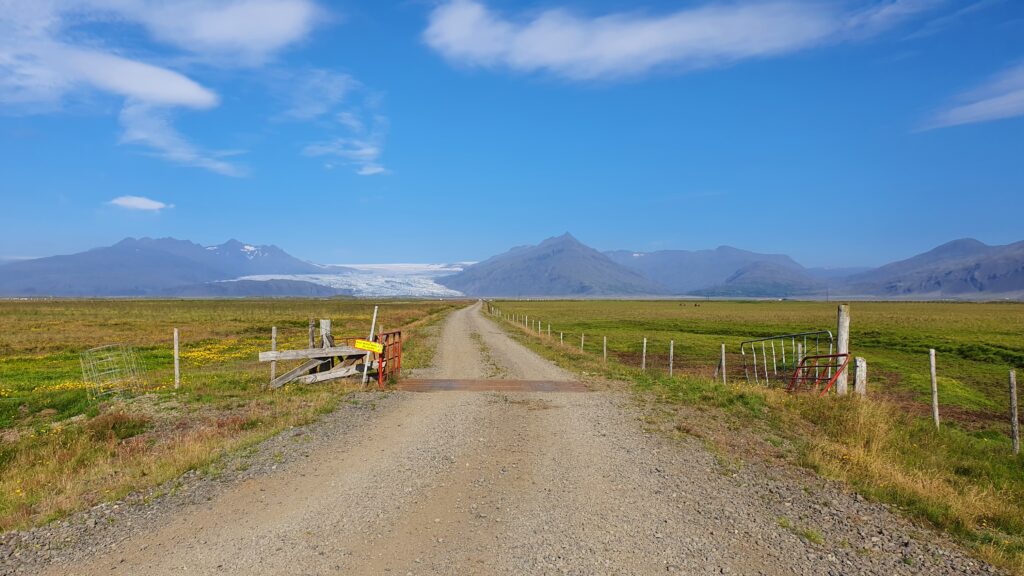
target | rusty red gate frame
x=389, y=362
x=804, y=379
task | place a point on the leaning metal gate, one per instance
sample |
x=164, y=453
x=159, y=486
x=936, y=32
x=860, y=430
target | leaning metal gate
x=776, y=363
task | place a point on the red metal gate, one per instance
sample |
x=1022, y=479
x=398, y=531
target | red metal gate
x=389, y=361
x=815, y=370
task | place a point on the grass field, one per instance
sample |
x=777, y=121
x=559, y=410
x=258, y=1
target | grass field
x=962, y=479
x=62, y=449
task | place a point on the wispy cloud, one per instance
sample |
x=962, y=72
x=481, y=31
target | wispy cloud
x=139, y=203
x=47, y=54
x=358, y=129
x=576, y=47
x=362, y=147
x=150, y=126
x=1000, y=98
x=936, y=25
x=314, y=93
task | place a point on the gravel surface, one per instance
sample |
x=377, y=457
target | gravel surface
x=489, y=483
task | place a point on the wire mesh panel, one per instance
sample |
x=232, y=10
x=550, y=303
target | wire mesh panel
x=775, y=358
x=112, y=368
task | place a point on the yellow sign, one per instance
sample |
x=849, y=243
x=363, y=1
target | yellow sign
x=371, y=346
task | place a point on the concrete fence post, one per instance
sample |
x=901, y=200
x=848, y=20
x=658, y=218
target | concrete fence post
x=860, y=376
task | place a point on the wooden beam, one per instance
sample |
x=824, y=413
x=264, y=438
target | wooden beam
x=338, y=372
x=332, y=352
x=292, y=374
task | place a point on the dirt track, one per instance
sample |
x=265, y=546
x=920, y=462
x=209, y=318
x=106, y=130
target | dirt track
x=527, y=483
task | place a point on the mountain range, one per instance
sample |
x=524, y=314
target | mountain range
x=156, y=267
x=562, y=266
x=557, y=267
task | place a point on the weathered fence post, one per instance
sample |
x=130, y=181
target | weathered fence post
x=1014, y=420
x=860, y=376
x=177, y=363
x=671, y=356
x=604, y=348
x=561, y=338
x=325, y=332
x=312, y=337
x=549, y=330
x=273, y=348
x=366, y=361
x=722, y=363
x=581, y=341
x=843, y=347
x=643, y=356
x=935, y=388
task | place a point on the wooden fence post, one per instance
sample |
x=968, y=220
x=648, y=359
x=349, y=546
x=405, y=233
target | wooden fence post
x=561, y=338
x=325, y=332
x=549, y=330
x=643, y=357
x=366, y=361
x=312, y=336
x=604, y=349
x=177, y=363
x=860, y=376
x=935, y=388
x=843, y=347
x=722, y=363
x=1014, y=420
x=581, y=341
x=671, y=356
x=273, y=348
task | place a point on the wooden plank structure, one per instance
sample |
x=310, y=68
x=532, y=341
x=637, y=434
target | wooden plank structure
x=332, y=360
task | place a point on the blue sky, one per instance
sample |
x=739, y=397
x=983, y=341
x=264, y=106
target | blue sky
x=841, y=133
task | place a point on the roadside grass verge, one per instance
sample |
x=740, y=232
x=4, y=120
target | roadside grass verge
x=961, y=480
x=63, y=450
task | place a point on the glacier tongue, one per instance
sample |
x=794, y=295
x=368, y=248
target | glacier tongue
x=379, y=283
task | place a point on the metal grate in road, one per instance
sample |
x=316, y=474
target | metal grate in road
x=441, y=385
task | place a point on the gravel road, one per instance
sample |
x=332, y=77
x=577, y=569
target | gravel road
x=496, y=483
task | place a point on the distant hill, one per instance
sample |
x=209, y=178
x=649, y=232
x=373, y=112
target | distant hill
x=697, y=271
x=559, y=266
x=961, y=268
x=766, y=280
x=143, y=267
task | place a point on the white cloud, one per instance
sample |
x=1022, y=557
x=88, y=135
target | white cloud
x=150, y=126
x=1000, y=98
x=577, y=47
x=239, y=31
x=136, y=80
x=139, y=203
x=47, y=54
